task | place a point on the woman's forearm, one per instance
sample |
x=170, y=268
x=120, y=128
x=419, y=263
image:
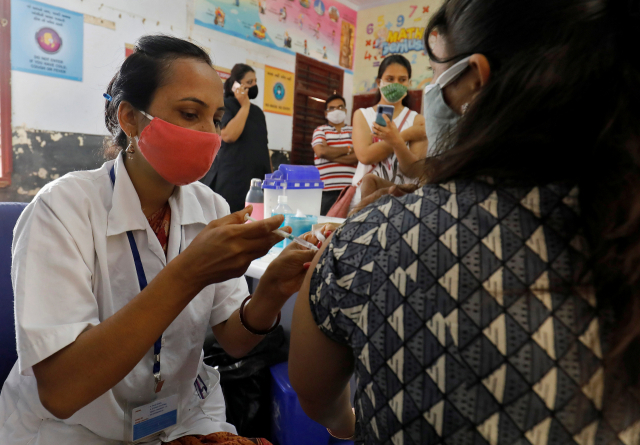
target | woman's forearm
x=406, y=159
x=103, y=355
x=374, y=153
x=260, y=313
x=232, y=131
x=282, y=279
x=416, y=132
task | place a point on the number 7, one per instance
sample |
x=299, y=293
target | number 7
x=414, y=7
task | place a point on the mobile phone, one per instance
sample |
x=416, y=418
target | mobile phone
x=235, y=86
x=384, y=109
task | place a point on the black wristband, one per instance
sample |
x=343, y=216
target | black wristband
x=249, y=328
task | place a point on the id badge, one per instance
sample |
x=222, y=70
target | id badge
x=147, y=418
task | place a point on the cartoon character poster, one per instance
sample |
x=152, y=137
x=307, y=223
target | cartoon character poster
x=347, y=38
x=393, y=29
x=46, y=40
x=322, y=29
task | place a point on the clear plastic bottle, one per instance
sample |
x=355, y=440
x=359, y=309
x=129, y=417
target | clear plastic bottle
x=255, y=197
x=282, y=209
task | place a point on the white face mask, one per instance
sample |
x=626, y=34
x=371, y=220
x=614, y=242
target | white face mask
x=438, y=116
x=337, y=116
x=453, y=72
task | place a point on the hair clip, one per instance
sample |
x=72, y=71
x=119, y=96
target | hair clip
x=106, y=96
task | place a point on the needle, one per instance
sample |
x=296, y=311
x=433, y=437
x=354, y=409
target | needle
x=290, y=237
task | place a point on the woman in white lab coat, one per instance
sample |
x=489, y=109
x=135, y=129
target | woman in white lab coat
x=119, y=272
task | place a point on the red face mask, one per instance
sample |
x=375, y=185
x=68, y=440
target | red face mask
x=178, y=154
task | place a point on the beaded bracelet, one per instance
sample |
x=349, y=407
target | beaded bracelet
x=249, y=328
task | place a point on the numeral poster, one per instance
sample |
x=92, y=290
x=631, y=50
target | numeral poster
x=393, y=29
x=46, y=40
x=322, y=29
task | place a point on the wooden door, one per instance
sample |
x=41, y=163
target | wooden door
x=315, y=82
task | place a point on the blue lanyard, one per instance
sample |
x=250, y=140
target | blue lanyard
x=142, y=281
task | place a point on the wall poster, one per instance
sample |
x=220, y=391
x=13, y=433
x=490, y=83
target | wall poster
x=393, y=29
x=224, y=73
x=46, y=40
x=279, y=87
x=322, y=29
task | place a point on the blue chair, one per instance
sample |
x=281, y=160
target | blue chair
x=289, y=424
x=9, y=213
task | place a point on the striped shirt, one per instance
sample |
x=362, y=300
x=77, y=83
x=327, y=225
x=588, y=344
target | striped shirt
x=336, y=176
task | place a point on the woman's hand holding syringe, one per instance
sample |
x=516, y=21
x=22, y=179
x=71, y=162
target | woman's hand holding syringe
x=286, y=235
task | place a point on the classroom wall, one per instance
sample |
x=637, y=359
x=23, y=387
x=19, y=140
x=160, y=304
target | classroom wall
x=396, y=28
x=58, y=124
x=234, y=49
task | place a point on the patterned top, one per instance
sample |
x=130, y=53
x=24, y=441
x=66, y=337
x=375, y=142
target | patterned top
x=467, y=322
x=335, y=175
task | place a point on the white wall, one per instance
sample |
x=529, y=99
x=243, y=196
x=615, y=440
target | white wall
x=49, y=103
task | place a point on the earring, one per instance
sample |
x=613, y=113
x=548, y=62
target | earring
x=465, y=107
x=130, y=150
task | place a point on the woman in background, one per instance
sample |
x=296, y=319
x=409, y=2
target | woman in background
x=244, y=153
x=500, y=303
x=388, y=153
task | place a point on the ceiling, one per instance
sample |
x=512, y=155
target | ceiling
x=359, y=5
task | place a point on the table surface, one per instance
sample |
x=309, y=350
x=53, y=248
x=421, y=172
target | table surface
x=257, y=267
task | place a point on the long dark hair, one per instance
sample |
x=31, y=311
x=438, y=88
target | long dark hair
x=238, y=72
x=139, y=77
x=388, y=61
x=561, y=105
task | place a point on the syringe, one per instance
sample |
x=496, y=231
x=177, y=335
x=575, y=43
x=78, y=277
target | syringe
x=290, y=237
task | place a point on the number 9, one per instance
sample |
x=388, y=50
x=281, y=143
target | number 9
x=370, y=28
x=400, y=21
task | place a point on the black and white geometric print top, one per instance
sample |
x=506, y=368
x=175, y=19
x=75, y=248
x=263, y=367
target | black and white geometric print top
x=469, y=320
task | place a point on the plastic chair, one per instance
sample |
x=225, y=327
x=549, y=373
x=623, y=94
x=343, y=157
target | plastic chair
x=289, y=424
x=9, y=213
